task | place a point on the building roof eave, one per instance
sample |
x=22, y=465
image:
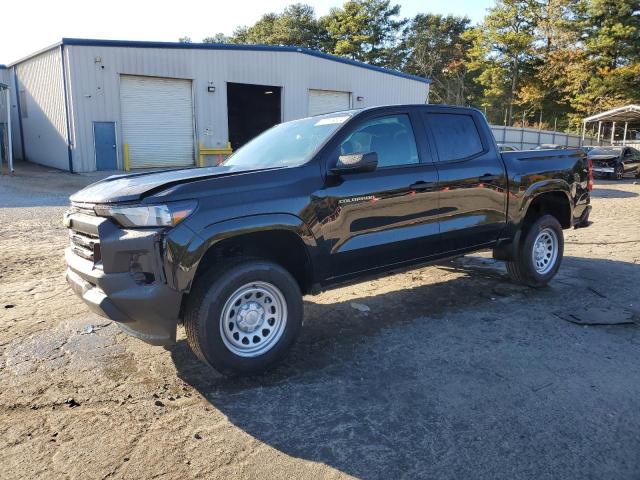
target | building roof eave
x=223, y=46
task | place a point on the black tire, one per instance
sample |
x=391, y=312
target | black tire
x=619, y=175
x=523, y=269
x=206, y=303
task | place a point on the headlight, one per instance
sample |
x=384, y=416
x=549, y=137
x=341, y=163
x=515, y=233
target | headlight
x=131, y=216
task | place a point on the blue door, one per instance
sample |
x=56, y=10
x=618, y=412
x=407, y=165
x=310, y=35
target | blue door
x=104, y=137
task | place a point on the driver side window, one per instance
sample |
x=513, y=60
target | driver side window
x=391, y=137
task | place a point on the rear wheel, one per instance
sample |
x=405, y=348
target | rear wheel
x=540, y=253
x=242, y=316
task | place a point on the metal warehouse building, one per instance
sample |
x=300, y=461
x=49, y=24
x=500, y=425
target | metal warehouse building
x=85, y=105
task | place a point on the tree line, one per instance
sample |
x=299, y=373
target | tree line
x=545, y=63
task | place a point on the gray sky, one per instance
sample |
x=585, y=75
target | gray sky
x=29, y=25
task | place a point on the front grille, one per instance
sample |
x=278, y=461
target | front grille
x=85, y=245
x=602, y=165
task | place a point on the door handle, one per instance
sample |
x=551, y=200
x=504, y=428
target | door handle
x=421, y=185
x=487, y=177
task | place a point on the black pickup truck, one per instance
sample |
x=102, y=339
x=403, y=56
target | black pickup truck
x=229, y=251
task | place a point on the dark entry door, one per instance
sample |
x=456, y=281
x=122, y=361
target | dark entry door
x=252, y=109
x=104, y=134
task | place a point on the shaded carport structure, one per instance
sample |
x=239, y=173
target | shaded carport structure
x=628, y=114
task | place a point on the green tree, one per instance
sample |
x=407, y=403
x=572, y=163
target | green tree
x=435, y=47
x=490, y=77
x=509, y=30
x=561, y=67
x=217, y=38
x=366, y=30
x=613, y=32
x=297, y=26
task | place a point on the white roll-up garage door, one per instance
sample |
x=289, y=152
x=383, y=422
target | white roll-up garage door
x=157, y=121
x=327, y=101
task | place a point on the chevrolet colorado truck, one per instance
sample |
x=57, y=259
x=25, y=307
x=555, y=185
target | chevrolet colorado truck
x=230, y=250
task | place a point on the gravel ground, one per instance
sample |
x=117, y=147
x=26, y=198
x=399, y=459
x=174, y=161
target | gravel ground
x=453, y=372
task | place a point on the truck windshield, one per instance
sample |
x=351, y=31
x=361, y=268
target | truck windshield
x=287, y=144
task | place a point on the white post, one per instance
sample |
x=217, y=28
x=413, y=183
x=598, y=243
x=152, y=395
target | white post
x=9, y=144
x=613, y=132
x=584, y=130
x=599, y=127
x=624, y=137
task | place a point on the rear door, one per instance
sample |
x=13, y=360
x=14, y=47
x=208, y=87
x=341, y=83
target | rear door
x=472, y=178
x=386, y=217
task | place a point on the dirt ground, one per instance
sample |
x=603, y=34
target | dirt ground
x=453, y=372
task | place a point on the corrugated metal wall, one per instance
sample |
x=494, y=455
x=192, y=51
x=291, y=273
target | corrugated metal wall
x=94, y=83
x=41, y=96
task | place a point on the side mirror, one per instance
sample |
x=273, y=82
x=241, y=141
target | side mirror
x=356, y=163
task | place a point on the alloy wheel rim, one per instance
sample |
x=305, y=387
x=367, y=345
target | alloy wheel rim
x=253, y=319
x=545, y=251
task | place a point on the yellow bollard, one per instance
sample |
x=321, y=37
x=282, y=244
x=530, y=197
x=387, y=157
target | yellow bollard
x=201, y=155
x=126, y=156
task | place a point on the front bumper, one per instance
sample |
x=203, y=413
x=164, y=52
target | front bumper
x=126, y=283
x=603, y=171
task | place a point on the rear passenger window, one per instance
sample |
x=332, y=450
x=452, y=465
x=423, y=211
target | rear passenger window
x=456, y=136
x=390, y=137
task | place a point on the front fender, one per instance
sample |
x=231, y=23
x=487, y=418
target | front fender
x=182, y=260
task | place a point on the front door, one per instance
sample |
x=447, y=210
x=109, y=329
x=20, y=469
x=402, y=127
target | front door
x=472, y=179
x=104, y=134
x=388, y=216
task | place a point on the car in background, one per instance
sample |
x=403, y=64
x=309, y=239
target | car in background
x=614, y=162
x=588, y=148
x=506, y=148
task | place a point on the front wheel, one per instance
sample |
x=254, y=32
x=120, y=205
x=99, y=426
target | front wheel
x=540, y=253
x=619, y=172
x=242, y=316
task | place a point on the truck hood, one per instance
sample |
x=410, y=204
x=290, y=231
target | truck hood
x=136, y=186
